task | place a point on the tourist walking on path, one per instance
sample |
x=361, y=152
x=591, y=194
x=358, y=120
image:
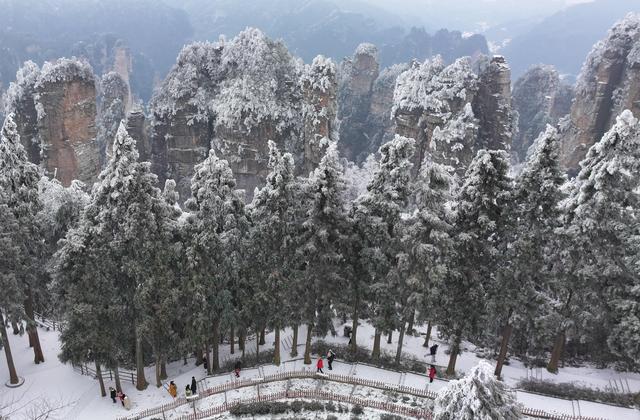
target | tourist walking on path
x=173, y=389
x=320, y=365
x=433, y=350
x=236, y=368
x=112, y=394
x=205, y=364
x=432, y=373
x=194, y=385
x=330, y=356
x=187, y=391
x=121, y=397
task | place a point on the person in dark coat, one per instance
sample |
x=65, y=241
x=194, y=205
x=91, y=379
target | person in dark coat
x=432, y=373
x=320, y=365
x=112, y=394
x=236, y=368
x=433, y=350
x=193, y=385
x=330, y=358
x=205, y=363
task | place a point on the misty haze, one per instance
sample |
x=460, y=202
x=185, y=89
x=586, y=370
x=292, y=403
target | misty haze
x=320, y=209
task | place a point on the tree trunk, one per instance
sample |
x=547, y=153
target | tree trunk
x=410, y=326
x=242, y=335
x=13, y=375
x=558, y=347
x=375, y=354
x=208, y=359
x=215, y=362
x=354, y=326
x=232, y=339
x=307, y=345
x=294, y=344
x=257, y=349
x=506, y=335
x=400, y=340
x=262, y=337
x=427, y=337
x=199, y=355
x=158, y=363
x=103, y=391
x=276, y=350
x=163, y=367
x=453, y=357
x=32, y=330
x=390, y=337
x=116, y=375
x=141, y=381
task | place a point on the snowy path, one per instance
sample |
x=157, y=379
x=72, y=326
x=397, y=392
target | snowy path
x=59, y=383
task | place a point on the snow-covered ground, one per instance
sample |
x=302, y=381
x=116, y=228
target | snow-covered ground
x=54, y=383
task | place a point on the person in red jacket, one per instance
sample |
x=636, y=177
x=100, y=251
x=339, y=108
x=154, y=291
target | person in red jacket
x=432, y=373
x=320, y=365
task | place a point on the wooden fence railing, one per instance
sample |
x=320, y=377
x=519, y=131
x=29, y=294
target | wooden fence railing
x=107, y=374
x=305, y=374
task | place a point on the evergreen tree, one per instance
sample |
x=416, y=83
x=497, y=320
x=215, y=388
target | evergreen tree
x=516, y=294
x=105, y=262
x=479, y=233
x=428, y=240
x=12, y=292
x=215, y=228
x=477, y=396
x=602, y=221
x=325, y=232
x=19, y=179
x=274, y=213
x=377, y=215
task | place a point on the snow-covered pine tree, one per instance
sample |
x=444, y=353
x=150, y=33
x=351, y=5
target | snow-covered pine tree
x=275, y=212
x=325, y=230
x=215, y=227
x=481, y=204
x=603, y=214
x=477, y=396
x=428, y=241
x=19, y=179
x=106, y=260
x=378, y=217
x=12, y=294
x=161, y=299
x=516, y=292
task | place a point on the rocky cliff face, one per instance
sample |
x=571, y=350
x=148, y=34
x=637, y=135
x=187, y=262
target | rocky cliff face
x=235, y=96
x=608, y=84
x=452, y=112
x=539, y=98
x=56, y=113
x=357, y=77
x=112, y=109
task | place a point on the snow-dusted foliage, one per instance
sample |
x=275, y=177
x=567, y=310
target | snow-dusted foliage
x=64, y=70
x=247, y=80
x=453, y=143
x=114, y=93
x=358, y=177
x=26, y=79
x=320, y=75
x=478, y=396
x=433, y=87
x=602, y=222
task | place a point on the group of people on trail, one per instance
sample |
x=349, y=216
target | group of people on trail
x=320, y=364
x=189, y=391
x=126, y=403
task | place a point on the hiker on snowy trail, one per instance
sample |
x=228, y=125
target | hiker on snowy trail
x=433, y=350
x=193, y=385
x=432, y=373
x=330, y=356
x=187, y=391
x=205, y=363
x=112, y=394
x=126, y=403
x=121, y=397
x=173, y=389
x=236, y=368
x=320, y=365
